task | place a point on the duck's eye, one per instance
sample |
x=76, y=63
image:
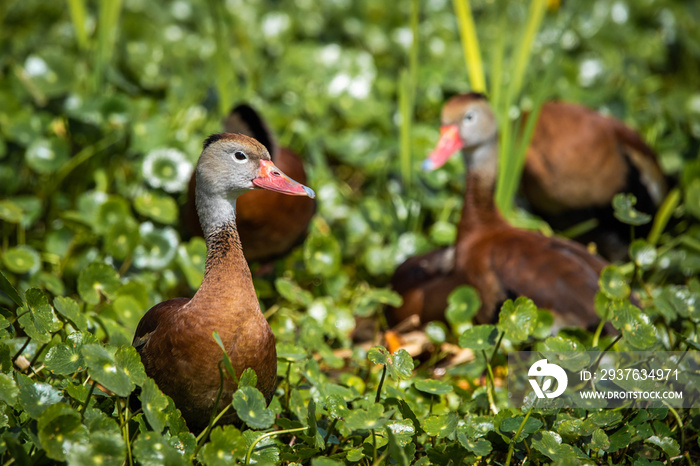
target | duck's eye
x=240, y=156
x=469, y=116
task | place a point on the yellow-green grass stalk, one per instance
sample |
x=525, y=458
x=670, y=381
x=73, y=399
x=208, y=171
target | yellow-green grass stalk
x=107, y=29
x=470, y=45
x=407, y=91
x=78, y=16
x=225, y=74
x=512, y=155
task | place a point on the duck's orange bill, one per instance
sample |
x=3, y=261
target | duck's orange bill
x=449, y=143
x=270, y=177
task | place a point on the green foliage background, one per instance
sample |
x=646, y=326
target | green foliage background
x=103, y=109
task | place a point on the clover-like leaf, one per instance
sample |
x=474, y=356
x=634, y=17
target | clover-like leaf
x=69, y=309
x=322, y=254
x=518, y=319
x=613, y=283
x=103, y=367
x=35, y=397
x=442, y=425
x=549, y=444
x=58, y=428
x=97, y=279
x=433, y=387
x=399, y=364
x=643, y=254
x=8, y=389
x=37, y=317
x=623, y=205
x=479, y=337
x=599, y=440
x=251, y=407
x=65, y=358
x=21, y=259
x=566, y=352
x=462, y=305
x=152, y=449
x=154, y=405
x=512, y=424
x=160, y=207
x=480, y=447
x=621, y=438
x=104, y=446
x=634, y=325
x=45, y=156
x=667, y=444
x=366, y=419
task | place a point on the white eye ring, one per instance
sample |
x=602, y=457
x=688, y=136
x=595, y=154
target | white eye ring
x=240, y=156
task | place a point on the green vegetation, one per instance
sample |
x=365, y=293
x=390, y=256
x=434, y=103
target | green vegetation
x=103, y=109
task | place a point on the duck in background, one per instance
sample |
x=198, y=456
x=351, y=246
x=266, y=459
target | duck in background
x=174, y=338
x=500, y=261
x=577, y=161
x=270, y=224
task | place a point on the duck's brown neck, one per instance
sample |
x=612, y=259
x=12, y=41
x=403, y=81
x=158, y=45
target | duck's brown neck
x=227, y=277
x=479, y=206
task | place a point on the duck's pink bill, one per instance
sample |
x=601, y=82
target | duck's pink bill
x=270, y=177
x=449, y=143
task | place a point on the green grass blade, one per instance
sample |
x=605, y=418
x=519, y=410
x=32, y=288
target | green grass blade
x=535, y=16
x=470, y=45
x=664, y=215
x=405, y=129
x=78, y=15
x=107, y=27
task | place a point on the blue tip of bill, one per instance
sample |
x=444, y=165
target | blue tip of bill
x=428, y=165
x=310, y=192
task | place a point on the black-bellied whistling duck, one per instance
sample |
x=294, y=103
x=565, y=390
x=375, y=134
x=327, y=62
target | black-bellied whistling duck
x=497, y=259
x=269, y=223
x=174, y=338
x=577, y=161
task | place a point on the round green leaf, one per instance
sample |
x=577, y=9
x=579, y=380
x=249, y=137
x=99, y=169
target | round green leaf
x=480, y=447
x=443, y=233
x=479, y=337
x=613, y=283
x=366, y=419
x=113, y=211
x=154, y=405
x=46, y=156
x=122, y=238
x=117, y=370
x=518, y=320
x=191, y=258
x=462, y=305
x=441, y=426
x=151, y=449
x=252, y=409
x=624, y=211
x=158, y=247
x=37, y=317
x=97, y=279
x=69, y=309
x=635, y=326
x=59, y=427
x=21, y=259
x=322, y=254
x=10, y=212
x=398, y=364
x=226, y=446
x=643, y=254
x=8, y=389
x=549, y=444
x=35, y=397
x=433, y=387
x=161, y=208
x=436, y=332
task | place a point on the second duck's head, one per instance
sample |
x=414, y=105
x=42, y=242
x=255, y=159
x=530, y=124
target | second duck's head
x=467, y=123
x=232, y=164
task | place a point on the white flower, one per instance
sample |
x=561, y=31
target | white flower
x=167, y=168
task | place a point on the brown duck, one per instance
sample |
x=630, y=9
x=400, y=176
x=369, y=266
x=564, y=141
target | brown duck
x=270, y=224
x=500, y=261
x=174, y=338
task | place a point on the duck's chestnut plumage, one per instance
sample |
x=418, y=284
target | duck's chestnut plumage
x=270, y=224
x=499, y=260
x=174, y=338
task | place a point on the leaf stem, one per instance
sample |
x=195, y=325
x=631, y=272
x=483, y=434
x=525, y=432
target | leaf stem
x=379, y=387
x=269, y=434
x=490, y=384
x=511, y=447
x=87, y=400
x=213, y=418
